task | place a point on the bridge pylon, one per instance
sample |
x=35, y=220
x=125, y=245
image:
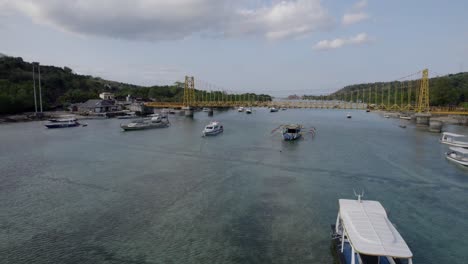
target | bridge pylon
x=189, y=91
x=423, y=98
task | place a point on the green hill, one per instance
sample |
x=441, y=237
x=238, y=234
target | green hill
x=61, y=86
x=449, y=90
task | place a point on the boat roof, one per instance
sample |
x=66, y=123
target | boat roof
x=293, y=126
x=369, y=230
x=453, y=134
x=459, y=150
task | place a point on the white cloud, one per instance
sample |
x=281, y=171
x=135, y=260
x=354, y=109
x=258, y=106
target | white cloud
x=356, y=14
x=352, y=18
x=360, y=4
x=177, y=19
x=359, y=39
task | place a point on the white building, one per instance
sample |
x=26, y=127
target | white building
x=106, y=96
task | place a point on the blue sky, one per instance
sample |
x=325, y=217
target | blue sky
x=277, y=47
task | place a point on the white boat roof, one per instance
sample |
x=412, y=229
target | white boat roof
x=369, y=230
x=453, y=134
x=459, y=150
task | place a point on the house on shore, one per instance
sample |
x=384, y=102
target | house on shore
x=98, y=106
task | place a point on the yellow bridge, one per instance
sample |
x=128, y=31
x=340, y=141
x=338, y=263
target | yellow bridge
x=407, y=94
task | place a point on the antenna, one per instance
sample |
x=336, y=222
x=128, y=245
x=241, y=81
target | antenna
x=359, y=196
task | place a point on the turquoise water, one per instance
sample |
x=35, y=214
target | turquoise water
x=98, y=195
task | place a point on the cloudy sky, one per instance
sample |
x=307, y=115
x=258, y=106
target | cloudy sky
x=279, y=47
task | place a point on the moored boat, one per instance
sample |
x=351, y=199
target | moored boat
x=212, y=129
x=405, y=117
x=453, y=139
x=273, y=109
x=153, y=122
x=62, y=123
x=291, y=132
x=348, y=115
x=240, y=109
x=248, y=111
x=458, y=155
x=205, y=109
x=364, y=234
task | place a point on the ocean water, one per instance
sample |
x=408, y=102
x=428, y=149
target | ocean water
x=96, y=194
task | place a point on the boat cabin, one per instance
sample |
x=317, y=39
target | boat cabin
x=364, y=235
x=454, y=139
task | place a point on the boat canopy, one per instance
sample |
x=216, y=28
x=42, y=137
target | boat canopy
x=369, y=230
x=452, y=134
x=463, y=151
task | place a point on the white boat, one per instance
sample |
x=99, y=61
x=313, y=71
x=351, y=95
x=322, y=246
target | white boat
x=348, y=115
x=364, y=234
x=386, y=116
x=240, y=109
x=212, y=129
x=248, y=110
x=153, y=122
x=205, y=109
x=273, y=109
x=453, y=139
x=405, y=117
x=458, y=155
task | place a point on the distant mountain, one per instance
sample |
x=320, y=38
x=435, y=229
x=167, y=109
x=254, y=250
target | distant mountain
x=2, y=55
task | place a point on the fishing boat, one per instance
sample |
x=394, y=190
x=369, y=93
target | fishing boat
x=248, y=111
x=453, y=139
x=364, y=234
x=240, y=109
x=348, y=115
x=458, y=155
x=212, y=129
x=273, y=109
x=147, y=123
x=62, y=123
x=291, y=132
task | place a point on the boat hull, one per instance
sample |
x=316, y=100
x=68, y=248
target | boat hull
x=152, y=126
x=455, y=144
x=212, y=133
x=291, y=136
x=58, y=125
x=457, y=161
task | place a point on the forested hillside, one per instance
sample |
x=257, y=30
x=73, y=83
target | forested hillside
x=61, y=86
x=449, y=90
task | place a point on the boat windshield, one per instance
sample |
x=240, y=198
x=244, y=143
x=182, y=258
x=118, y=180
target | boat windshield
x=292, y=130
x=208, y=127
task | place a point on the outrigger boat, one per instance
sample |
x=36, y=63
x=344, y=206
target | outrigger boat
x=452, y=139
x=214, y=128
x=153, y=122
x=458, y=155
x=291, y=132
x=363, y=234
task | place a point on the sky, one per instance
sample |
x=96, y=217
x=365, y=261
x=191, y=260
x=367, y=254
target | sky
x=276, y=47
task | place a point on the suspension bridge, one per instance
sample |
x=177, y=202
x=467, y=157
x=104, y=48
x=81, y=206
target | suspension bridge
x=406, y=94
